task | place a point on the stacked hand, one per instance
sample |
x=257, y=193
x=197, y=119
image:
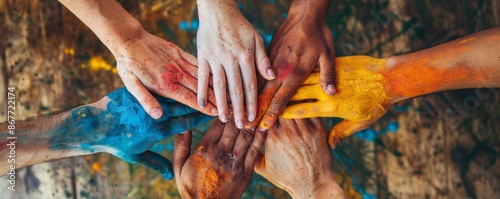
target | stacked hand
x=222, y=164
x=301, y=43
x=297, y=159
x=361, y=97
x=118, y=125
x=230, y=49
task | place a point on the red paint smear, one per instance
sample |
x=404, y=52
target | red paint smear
x=173, y=67
x=3, y=145
x=170, y=80
x=284, y=70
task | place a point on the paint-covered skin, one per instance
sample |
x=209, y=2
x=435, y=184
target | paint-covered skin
x=368, y=86
x=361, y=96
x=222, y=164
x=121, y=127
x=297, y=159
x=302, y=42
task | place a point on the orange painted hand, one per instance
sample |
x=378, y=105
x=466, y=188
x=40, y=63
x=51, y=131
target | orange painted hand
x=222, y=164
x=301, y=43
x=297, y=159
x=148, y=63
x=361, y=97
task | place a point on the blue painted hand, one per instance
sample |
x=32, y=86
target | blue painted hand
x=124, y=129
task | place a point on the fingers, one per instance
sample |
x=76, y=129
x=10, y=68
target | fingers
x=229, y=135
x=220, y=91
x=187, y=97
x=245, y=137
x=182, y=151
x=250, y=87
x=262, y=61
x=203, y=78
x=174, y=110
x=183, y=123
x=213, y=134
x=236, y=92
x=154, y=161
x=278, y=103
x=260, y=165
x=344, y=129
x=327, y=71
x=145, y=98
x=253, y=151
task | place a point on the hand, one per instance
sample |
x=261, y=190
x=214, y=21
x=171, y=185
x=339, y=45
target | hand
x=230, y=49
x=147, y=62
x=298, y=159
x=221, y=165
x=361, y=98
x=118, y=125
x=302, y=42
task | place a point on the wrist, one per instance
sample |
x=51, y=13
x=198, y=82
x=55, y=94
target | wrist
x=130, y=32
x=323, y=186
x=215, y=8
x=313, y=9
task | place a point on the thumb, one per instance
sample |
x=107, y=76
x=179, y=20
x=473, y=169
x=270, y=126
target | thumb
x=147, y=101
x=182, y=150
x=262, y=61
x=327, y=73
x=344, y=129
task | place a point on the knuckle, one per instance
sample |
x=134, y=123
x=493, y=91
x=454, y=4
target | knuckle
x=247, y=134
x=253, y=151
x=251, y=87
x=236, y=90
x=220, y=84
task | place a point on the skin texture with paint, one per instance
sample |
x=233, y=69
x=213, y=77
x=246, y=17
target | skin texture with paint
x=230, y=49
x=222, y=164
x=368, y=86
x=145, y=62
x=297, y=159
x=116, y=124
x=301, y=43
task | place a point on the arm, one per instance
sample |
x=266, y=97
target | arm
x=230, y=50
x=299, y=147
x=115, y=124
x=222, y=164
x=301, y=43
x=368, y=86
x=144, y=62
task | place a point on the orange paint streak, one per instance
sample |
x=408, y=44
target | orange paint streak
x=212, y=180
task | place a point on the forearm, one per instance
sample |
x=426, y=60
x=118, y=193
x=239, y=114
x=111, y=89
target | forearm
x=107, y=19
x=30, y=142
x=468, y=62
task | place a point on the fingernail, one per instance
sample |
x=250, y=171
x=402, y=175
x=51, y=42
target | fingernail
x=156, y=113
x=251, y=116
x=330, y=89
x=202, y=103
x=239, y=124
x=214, y=111
x=271, y=73
x=223, y=117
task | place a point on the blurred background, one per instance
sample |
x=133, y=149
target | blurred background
x=444, y=145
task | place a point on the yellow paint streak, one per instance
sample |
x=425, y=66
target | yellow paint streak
x=463, y=41
x=361, y=93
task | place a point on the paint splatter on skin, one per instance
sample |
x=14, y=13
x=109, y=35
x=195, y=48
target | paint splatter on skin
x=283, y=70
x=124, y=129
x=368, y=86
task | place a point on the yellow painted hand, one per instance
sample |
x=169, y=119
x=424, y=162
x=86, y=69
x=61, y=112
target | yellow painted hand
x=361, y=97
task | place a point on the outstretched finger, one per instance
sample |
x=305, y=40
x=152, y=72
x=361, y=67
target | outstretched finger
x=254, y=150
x=154, y=161
x=327, y=72
x=203, y=77
x=262, y=61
